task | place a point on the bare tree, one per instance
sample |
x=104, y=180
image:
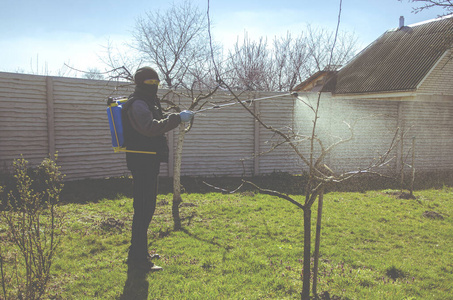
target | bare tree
x=309, y=147
x=255, y=65
x=93, y=73
x=322, y=53
x=248, y=64
x=312, y=151
x=289, y=56
x=199, y=99
x=174, y=41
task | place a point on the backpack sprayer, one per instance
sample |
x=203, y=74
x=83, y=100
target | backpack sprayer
x=115, y=106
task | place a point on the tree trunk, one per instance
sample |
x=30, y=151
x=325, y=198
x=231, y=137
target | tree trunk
x=177, y=179
x=317, y=242
x=307, y=254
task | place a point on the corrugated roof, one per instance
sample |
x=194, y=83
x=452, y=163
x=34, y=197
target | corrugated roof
x=311, y=82
x=397, y=61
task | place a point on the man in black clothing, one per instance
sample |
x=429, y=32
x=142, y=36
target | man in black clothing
x=144, y=126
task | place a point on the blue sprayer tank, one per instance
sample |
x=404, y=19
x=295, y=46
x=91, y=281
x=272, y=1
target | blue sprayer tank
x=115, y=122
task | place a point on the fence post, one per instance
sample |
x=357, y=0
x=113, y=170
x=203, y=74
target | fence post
x=50, y=116
x=400, y=125
x=256, y=150
x=413, y=168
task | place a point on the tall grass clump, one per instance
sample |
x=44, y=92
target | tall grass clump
x=32, y=226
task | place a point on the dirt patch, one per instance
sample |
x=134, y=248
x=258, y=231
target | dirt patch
x=400, y=195
x=326, y=296
x=407, y=196
x=163, y=202
x=395, y=273
x=433, y=215
x=188, y=204
x=111, y=224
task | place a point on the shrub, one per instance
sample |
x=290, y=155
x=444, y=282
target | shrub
x=33, y=226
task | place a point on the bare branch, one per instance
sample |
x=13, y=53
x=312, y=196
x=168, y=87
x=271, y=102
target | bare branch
x=225, y=191
x=447, y=5
x=275, y=193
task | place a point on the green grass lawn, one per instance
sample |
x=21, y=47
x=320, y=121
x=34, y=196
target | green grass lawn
x=250, y=246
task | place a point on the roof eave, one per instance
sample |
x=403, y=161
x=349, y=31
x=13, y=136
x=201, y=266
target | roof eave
x=379, y=95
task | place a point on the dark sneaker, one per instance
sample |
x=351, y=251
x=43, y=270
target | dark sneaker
x=151, y=266
x=153, y=256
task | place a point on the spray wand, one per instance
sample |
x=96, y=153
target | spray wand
x=245, y=101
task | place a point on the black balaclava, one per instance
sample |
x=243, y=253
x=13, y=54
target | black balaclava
x=147, y=82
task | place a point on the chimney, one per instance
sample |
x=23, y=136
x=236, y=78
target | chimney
x=401, y=22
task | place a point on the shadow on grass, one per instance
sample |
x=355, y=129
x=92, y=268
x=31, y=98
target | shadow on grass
x=93, y=190
x=136, y=286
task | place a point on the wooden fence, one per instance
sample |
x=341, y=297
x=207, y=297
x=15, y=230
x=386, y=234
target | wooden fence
x=42, y=115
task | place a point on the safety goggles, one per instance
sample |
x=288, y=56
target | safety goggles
x=151, y=81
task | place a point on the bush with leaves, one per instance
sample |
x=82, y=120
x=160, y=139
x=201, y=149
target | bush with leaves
x=33, y=227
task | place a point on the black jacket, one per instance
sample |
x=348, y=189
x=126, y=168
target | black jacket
x=144, y=127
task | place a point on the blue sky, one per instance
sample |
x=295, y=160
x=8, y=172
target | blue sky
x=40, y=36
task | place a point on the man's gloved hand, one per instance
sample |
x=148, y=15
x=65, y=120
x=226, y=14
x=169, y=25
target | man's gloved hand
x=186, y=115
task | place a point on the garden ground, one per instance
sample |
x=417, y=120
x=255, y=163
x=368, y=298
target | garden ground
x=375, y=245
